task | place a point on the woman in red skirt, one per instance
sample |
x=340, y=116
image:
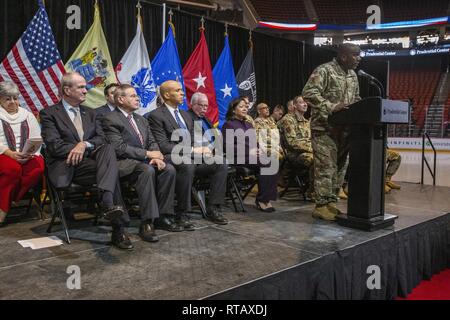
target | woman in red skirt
x=18, y=172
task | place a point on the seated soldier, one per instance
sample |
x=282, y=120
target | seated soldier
x=277, y=113
x=297, y=137
x=393, y=160
x=267, y=132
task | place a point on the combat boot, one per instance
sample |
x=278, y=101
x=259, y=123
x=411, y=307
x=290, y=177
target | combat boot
x=332, y=207
x=392, y=185
x=387, y=189
x=342, y=194
x=323, y=212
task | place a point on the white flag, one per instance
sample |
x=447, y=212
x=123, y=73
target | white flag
x=134, y=68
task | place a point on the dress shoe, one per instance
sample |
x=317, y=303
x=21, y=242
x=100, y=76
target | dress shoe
x=184, y=221
x=214, y=215
x=268, y=209
x=324, y=213
x=147, y=233
x=166, y=223
x=112, y=213
x=121, y=241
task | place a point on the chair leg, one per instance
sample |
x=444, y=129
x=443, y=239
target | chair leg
x=30, y=203
x=301, y=186
x=238, y=194
x=199, y=197
x=230, y=193
x=46, y=196
x=286, y=188
x=249, y=190
x=57, y=209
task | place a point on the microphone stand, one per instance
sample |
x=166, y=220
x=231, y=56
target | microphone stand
x=376, y=83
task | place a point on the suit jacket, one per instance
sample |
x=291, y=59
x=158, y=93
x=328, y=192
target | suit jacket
x=60, y=137
x=121, y=135
x=163, y=124
x=195, y=117
x=102, y=110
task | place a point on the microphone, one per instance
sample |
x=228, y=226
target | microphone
x=362, y=73
x=374, y=81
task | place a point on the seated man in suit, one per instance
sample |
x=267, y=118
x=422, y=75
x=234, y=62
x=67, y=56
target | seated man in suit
x=140, y=160
x=77, y=152
x=109, y=96
x=164, y=121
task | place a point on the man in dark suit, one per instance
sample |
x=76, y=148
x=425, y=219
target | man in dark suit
x=140, y=161
x=109, y=96
x=199, y=106
x=77, y=152
x=169, y=119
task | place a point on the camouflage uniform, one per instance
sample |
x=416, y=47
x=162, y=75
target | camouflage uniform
x=268, y=136
x=297, y=137
x=328, y=86
x=393, y=160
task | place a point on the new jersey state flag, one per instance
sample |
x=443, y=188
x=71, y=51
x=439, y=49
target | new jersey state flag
x=92, y=60
x=224, y=81
x=166, y=63
x=198, y=77
x=134, y=68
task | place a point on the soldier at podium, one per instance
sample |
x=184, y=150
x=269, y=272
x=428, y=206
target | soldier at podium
x=331, y=88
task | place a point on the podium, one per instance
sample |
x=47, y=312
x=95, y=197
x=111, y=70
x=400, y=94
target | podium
x=368, y=119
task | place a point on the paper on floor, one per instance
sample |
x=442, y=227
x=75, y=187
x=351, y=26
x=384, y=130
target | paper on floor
x=40, y=243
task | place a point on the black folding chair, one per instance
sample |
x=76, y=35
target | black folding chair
x=200, y=190
x=73, y=192
x=298, y=177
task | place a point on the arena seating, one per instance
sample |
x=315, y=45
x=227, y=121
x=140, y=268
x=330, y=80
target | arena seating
x=401, y=10
x=281, y=10
x=446, y=119
x=341, y=12
x=417, y=85
x=349, y=12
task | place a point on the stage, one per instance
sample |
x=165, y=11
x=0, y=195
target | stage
x=281, y=255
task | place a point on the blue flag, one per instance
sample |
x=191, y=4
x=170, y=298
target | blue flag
x=166, y=64
x=224, y=82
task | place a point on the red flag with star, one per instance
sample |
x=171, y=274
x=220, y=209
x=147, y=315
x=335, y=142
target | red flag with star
x=198, y=77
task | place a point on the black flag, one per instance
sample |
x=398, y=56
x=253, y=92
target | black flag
x=246, y=80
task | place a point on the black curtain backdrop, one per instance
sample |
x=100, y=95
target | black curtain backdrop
x=282, y=66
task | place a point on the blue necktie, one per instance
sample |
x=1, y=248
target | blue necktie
x=180, y=123
x=206, y=130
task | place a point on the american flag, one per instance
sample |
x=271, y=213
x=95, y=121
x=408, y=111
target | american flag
x=34, y=64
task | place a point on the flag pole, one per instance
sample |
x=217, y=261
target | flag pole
x=170, y=22
x=226, y=29
x=202, y=20
x=164, y=21
x=250, y=41
x=139, y=17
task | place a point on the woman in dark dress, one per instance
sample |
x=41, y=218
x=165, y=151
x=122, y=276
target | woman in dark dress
x=247, y=152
